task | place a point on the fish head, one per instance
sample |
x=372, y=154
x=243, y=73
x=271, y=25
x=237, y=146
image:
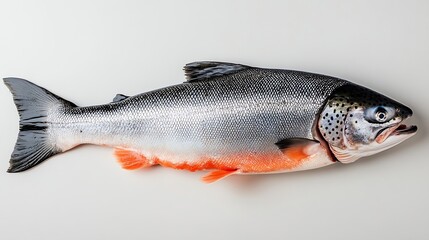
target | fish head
x=357, y=122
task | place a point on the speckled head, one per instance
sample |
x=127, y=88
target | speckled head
x=358, y=122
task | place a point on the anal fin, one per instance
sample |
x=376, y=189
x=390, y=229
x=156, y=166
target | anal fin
x=131, y=160
x=217, y=175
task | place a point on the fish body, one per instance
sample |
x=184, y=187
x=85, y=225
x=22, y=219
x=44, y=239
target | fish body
x=228, y=118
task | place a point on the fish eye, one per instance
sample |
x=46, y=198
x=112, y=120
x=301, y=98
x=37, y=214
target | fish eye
x=379, y=114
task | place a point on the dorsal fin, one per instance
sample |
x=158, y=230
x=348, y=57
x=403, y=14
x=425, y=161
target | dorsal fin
x=119, y=97
x=198, y=71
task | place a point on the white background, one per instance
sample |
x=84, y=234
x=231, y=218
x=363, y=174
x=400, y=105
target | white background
x=87, y=51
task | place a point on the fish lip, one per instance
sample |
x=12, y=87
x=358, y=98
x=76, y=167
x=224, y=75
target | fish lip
x=398, y=129
x=404, y=129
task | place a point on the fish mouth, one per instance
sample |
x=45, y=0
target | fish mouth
x=399, y=129
x=404, y=129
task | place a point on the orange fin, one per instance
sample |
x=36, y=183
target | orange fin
x=131, y=160
x=217, y=175
x=297, y=148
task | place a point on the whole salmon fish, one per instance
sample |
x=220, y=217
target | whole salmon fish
x=227, y=118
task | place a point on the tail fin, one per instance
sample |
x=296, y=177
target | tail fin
x=34, y=104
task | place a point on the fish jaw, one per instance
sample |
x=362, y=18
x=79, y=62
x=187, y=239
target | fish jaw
x=395, y=135
x=395, y=131
x=386, y=139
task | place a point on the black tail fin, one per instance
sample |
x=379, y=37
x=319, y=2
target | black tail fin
x=33, y=103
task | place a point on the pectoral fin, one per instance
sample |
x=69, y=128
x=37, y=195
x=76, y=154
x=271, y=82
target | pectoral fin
x=298, y=148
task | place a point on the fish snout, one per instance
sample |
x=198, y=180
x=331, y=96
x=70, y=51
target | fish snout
x=404, y=112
